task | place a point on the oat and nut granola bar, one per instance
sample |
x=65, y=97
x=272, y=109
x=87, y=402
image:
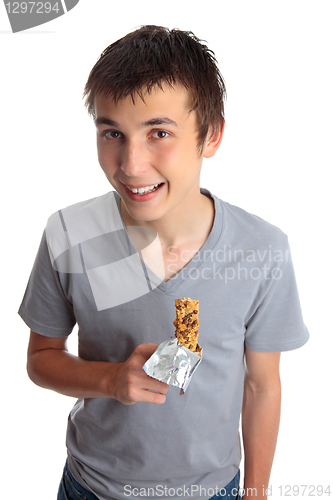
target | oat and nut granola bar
x=187, y=323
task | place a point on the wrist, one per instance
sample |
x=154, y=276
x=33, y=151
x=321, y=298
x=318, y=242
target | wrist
x=108, y=380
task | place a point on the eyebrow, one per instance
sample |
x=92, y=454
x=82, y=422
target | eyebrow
x=160, y=120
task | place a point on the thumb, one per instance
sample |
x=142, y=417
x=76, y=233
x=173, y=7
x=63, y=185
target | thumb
x=145, y=350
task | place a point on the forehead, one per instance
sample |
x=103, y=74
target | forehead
x=173, y=101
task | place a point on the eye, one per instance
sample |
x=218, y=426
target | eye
x=160, y=134
x=112, y=134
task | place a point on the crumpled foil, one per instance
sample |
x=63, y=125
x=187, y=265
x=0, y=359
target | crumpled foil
x=173, y=364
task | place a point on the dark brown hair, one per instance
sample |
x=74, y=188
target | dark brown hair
x=153, y=55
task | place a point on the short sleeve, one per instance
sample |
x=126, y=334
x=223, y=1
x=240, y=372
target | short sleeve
x=45, y=307
x=277, y=323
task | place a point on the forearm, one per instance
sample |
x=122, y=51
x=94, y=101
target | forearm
x=51, y=366
x=260, y=425
x=70, y=375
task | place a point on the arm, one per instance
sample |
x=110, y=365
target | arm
x=260, y=418
x=51, y=366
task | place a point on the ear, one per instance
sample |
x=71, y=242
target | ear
x=212, y=144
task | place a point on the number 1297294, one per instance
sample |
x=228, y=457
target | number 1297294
x=32, y=7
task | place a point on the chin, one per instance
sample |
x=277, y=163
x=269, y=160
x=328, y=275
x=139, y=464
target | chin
x=141, y=215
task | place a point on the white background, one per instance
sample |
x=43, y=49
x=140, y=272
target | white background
x=275, y=161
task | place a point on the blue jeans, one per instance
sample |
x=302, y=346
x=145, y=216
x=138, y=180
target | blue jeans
x=230, y=491
x=70, y=489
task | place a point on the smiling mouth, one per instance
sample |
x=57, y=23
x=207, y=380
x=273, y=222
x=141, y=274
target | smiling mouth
x=145, y=190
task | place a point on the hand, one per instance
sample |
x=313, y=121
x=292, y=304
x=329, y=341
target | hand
x=131, y=384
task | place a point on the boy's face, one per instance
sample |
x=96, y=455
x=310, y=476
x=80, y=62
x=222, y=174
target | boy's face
x=149, y=152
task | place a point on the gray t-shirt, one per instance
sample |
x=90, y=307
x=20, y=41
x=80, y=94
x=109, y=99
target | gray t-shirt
x=88, y=272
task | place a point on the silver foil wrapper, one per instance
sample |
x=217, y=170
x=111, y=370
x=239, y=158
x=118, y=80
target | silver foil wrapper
x=173, y=364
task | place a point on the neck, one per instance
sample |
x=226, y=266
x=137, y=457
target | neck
x=185, y=223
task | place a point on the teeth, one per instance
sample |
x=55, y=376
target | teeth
x=144, y=190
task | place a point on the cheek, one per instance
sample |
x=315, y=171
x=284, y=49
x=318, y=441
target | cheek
x=170, y=159
x=162, y=154
x=106, y=158
x=100, y=153
x=184, y=165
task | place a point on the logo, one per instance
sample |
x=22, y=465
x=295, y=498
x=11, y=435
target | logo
x=89, y=241
x=25, y=15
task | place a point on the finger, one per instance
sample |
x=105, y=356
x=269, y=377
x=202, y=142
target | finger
x=155, y=398
x=151, y=392
x=151, y=384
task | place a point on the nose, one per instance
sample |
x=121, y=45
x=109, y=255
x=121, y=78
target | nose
x=133, y=159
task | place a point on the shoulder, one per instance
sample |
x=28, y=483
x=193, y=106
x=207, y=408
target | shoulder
x=86, y=219
x=242, y=226
x=87, y=208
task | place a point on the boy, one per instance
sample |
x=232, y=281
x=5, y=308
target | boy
x=115, y=265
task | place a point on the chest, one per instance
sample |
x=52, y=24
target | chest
x=176, y=258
